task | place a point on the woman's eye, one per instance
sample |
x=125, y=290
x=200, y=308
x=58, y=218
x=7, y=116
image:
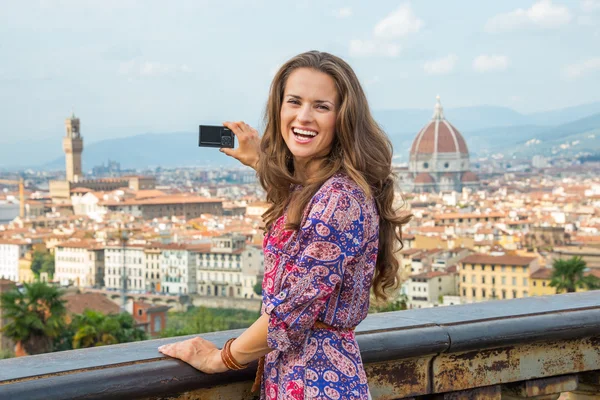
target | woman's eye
x=293, y=101
x=323, y=107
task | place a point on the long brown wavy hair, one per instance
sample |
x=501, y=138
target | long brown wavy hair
x=360, y=148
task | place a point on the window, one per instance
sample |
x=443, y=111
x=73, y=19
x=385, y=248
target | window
x=544, y=283
x=504, y=294
x=483, y=293
x=524, y=281
x=534, y=283
x=446, y=165
x=514, y=293
x=157, y=323
x=474, y=292
x=464, y=279
x=514, y=281
x=140, y=312
x=483, y=279
x=504, y=280
x=425, y=165
x=464, y=292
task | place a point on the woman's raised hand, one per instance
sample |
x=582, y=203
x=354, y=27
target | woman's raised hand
x=198, y=352
x=248, y=149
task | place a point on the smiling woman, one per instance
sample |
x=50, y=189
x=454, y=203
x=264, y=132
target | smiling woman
x=331, y=234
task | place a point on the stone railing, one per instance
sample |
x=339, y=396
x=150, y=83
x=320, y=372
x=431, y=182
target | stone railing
x=526, y=348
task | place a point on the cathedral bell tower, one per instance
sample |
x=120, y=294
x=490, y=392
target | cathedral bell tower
x=73, y=147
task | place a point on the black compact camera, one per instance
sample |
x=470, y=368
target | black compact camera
x=216, y=136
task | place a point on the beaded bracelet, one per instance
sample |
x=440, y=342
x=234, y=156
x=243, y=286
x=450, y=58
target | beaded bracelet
x=228, y=359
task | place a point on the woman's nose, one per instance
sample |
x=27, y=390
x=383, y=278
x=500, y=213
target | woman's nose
x=305, y=114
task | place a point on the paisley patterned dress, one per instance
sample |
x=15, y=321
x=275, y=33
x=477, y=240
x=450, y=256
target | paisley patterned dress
x=321, y=272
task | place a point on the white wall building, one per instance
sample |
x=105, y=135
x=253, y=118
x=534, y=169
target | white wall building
x=424, y=290
x=79, y=263
x=130, y=257
x=229, y=268
x=10, y=252
x=177, y=269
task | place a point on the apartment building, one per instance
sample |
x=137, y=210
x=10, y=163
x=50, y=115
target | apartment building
x=485, y=277
x=129, y=261
x=178, y=269
x=11, y=251
x=229, y=268
x=79, y=263
x=426, y=289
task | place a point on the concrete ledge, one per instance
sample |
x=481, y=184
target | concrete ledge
x=406, y=353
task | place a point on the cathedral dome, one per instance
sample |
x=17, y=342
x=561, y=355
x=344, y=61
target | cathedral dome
x=438, y=136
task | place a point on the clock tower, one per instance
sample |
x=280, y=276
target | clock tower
x=73, y=147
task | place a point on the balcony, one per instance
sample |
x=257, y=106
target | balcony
x=505, y=349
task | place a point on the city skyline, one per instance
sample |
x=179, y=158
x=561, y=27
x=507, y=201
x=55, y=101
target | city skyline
x=203, y=61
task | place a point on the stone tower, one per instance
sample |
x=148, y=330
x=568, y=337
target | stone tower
x=73, y=147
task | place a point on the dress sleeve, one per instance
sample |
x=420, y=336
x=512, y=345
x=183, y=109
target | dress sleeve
x=331, y=234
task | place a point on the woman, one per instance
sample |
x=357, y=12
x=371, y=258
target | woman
x=331, y=234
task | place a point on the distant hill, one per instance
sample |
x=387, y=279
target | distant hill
x=150, y=150
x=486, y=129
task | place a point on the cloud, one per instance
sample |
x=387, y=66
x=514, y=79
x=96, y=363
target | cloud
x=574, y=71
x=151, y=69
x=368, y=48
x=590, y=5
x=441, y=66
x=399, y=23
x=343, y=12
x=488, y=63
x=542, y=14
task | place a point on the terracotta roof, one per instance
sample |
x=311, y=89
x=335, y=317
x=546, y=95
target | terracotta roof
x=83, y=244
x=497, y=260
x=439, y=136
x=424, y=178
x=167, y=199
x=468, y=215
x=429, y=275
x=542, y=273
x=469, y=177
x=78, y=303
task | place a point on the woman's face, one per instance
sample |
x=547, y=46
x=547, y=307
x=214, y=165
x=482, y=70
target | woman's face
x=308, y=114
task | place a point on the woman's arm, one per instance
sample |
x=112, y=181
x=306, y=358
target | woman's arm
x=204, y=355
x=252, y=344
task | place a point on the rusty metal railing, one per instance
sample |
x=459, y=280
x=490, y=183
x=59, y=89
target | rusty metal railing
x=539, y=346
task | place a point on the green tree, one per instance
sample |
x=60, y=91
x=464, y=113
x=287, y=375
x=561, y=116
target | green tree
x=398, y=304
x=93, y=329
x=37, y=261
x=42, y=261
x=35, y=315
x=568, y=275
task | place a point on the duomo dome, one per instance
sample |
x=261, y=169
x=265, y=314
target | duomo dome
x=438, y=159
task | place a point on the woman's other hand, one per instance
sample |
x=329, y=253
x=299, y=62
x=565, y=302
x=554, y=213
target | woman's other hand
x=199, y=353
x=248, y=149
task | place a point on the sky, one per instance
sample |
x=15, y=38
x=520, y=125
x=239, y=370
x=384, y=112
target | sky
x=127, y=67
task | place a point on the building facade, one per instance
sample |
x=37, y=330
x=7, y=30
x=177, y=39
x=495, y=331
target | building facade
x=427, y=289
x=125, y=262
x=80, y=264
x=11, y=251
x=229, y=268
x=485, y=277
